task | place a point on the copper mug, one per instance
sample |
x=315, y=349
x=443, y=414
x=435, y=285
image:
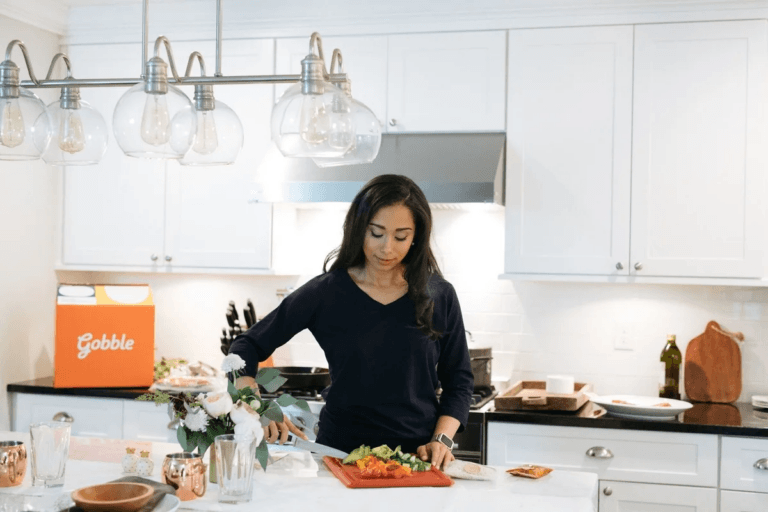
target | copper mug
x=13, y=463
x=186, y=473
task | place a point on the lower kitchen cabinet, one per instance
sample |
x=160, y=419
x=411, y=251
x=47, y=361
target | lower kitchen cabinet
x=742, y=460
x=634, y=497
x=734, y=501
x=111, y=418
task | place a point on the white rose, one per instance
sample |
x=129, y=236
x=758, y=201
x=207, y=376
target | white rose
x=249, y=428
x=217, y=404
x=242, y=412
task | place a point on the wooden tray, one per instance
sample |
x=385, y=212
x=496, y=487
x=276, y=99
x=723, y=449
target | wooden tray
x=532, y=395
x=349, y=474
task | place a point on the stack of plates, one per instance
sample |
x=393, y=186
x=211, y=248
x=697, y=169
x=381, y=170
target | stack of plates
x=760, y=401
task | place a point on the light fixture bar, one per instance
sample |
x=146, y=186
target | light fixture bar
x=218, y=38
x=144, y=36
x=197, y=80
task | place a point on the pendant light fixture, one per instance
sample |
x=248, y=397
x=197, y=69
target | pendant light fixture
x=79, y=134
x=219, y=135
x=24, y=121
x=367, y=140
x=146, y=123
x=313, y=117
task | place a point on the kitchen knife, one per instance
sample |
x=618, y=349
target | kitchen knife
x=230, y=318
x=253, y=311
x=314, y=447
x=234, y=310
x=247, y=318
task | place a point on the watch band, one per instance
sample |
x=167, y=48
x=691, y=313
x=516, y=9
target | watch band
x=444, y=439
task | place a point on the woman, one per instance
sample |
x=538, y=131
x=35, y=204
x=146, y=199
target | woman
x=390, y=327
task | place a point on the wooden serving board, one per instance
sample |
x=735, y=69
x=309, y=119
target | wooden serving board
x=532, y=395
x=712, y=371
x=349, y=474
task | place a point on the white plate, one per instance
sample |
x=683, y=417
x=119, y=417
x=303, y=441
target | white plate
x=187, y=383
x=643, y=407
x=169, y=503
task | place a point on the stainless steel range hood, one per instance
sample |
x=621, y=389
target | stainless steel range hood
x=449, y=168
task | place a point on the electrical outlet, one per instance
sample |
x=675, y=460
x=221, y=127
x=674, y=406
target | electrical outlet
x=623, y=339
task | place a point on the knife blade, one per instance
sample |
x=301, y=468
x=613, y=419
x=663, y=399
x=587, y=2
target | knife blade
x=315, y=447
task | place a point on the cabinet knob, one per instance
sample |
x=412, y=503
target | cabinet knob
x=168, y=258
x=638, y=266
x=619, y=266
x=153, y=257
x=63, y=416
x=761, y=464
x=392, y=122
x=599, y=452
x=607, y=491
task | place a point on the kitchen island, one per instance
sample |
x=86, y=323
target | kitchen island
x=300, y=481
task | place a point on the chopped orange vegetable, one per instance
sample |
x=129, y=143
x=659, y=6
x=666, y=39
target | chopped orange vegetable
x=373, y=467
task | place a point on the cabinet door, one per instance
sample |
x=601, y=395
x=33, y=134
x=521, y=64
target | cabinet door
x=568, y=150
x=213, y=215
x=364, y=60
x=739, y=459
x=731, y=501
x=113, y=212
x=627, y=497
x=91, y=417
x=446, y=82
x=145, y=421
x=699, y=149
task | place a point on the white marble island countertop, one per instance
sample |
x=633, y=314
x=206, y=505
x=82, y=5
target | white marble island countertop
x=298, y=480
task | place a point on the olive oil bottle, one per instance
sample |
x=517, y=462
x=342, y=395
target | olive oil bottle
x=671, y=358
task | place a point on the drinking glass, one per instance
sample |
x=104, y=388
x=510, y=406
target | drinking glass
x=50, y=449
x=235, y=457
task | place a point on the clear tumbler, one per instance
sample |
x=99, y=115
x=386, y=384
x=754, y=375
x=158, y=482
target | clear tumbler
x=235, y=458
x=50, y=449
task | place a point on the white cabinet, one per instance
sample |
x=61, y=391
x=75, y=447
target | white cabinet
x=740, y=462
x=644, y=165
x=569, y=126
x=632, y=497
x=418, y=82
x=157, y=215
x=732, y=501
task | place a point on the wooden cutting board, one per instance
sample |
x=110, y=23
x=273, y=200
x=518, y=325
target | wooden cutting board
x=712, y=369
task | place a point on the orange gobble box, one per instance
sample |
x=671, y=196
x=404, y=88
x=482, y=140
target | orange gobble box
x=105, y=336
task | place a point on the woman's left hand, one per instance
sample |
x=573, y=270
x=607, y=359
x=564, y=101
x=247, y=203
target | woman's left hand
x=435, y=452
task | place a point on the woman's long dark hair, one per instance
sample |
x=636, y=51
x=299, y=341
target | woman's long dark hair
x=420, y=263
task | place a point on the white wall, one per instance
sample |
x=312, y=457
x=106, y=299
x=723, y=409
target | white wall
x=534, y=328
x=28, y=202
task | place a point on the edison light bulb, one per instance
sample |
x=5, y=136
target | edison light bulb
x=155, y=122
x=71, y=133
x=341, y=133
x=11, y=124
x=313, y=123
x=206, y=140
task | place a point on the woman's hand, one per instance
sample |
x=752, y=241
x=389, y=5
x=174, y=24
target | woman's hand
x=435, y=452
x=274, y=430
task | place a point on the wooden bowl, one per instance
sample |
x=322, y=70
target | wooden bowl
x=117, y=497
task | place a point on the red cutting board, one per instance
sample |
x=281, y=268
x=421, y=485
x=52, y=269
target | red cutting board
x=349, y=474
x=712, y=370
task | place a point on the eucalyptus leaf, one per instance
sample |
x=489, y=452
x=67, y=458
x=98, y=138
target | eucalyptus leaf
x=275, y=383
x=266, y=374
x=285, y=400
x=262, y=454
x=302, y=404
x=264, y=421
x=203, y=445
x=274, y=412
x=231, y=389
x=181, y=436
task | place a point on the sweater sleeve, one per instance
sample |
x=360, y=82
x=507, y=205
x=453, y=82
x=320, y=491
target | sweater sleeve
x=294, y=314
x=453, y=368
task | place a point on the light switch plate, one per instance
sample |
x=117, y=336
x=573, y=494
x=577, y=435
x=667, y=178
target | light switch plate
x=624, y=338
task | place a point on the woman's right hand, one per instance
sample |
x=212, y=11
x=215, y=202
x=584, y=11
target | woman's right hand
x=274, y=430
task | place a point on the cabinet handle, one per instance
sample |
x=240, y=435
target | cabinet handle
x=598, y=452
x=168, y=258
x=153, y=257
x=638, y=266
x=761, y=464
x=63, y=416
x=607, y=491
x=619, y=266
x=392, y=122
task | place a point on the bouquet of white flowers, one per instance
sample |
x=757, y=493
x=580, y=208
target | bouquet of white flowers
x=235, y=411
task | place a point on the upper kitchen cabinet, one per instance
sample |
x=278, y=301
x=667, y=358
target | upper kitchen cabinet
x=568, y=150
x=632, y=167
x=444, y=82
x=160, y=216
x=698, y=152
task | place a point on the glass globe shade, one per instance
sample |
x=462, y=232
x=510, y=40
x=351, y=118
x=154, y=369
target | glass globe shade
x=218, y=139
x=147, y=125
x=24, y=127
x=313, y=125
x=367, y=139
x=78, y=136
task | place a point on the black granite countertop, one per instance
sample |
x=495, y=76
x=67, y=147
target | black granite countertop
x=44, y=386
x=737, y=419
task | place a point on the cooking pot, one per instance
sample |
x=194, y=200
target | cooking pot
x=480, y=360
x=304, y=377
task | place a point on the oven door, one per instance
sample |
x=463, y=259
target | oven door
x=471, y=442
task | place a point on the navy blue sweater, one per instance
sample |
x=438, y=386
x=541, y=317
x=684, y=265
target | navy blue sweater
x=384, y=370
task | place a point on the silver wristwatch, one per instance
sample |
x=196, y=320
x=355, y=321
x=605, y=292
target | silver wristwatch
x=442, y=438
